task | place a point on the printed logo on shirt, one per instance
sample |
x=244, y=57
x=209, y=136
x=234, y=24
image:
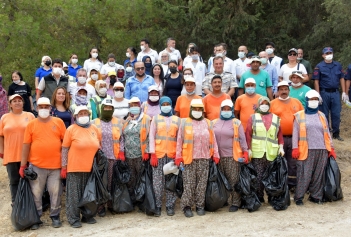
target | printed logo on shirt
x=93, y=134
x=301, y=94
x=254, y=106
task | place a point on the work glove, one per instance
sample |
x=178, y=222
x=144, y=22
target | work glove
x=63, y=173
x=295, y=153
x=21, y=171
x=121, y=156
x=281, y=150
x=215, y=160
x=154, y=160
x=246, y=157
x=250, y=154
x=178, y=161
x=1, y=156
x=344, y=97
x=332, y=153
x=146, y=157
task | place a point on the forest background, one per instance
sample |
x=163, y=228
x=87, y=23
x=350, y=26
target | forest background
x=31, y=29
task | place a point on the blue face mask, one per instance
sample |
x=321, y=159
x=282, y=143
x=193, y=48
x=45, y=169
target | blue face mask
x=226, y=114
x=134, y=110
x=166, y=109
x=250, y=90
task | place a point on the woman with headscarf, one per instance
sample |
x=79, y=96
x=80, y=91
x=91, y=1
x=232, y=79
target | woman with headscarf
x=81, y=100
x=312, y=145
x=111, y=131
x=94, y=76
x=121, y=105
x=148, y=64
x=163, y=144
x=95, y=101
x=264, y=139
x=232, y=148
x=3, y=100
x=80, y=144
x=151, y=107
x=196, y=144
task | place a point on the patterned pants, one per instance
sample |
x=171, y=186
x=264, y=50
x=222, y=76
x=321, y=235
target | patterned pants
x=75, y=185
x=260, y=164
x=195, y=176
x=310, y=174
x=135, y=168
x=159, y=184
x=231, y=170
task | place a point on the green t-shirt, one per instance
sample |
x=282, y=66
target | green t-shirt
x=299, y=93
x=262, y=81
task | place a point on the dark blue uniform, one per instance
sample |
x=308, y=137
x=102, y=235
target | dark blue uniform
x=348, y=77
x=329, y=75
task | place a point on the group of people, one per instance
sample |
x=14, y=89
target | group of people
x=178, y=113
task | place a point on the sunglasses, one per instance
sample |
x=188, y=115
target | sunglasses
x=140, y=68
x=292, y=54
x=119, y=89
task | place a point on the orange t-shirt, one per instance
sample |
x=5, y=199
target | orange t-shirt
x=183, y=105
x=246, y=106
x=213, y=105
x=12, y=127
x=45, y=140
x=286, y=111
x=83, y=144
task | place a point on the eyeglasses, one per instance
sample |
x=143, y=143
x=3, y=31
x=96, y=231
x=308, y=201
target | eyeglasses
x=298, y=72
x=292, y=54
x=140, y=68
x=119, y=89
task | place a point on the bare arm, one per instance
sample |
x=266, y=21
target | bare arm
x=177, y=113
x=31, y=103
x=305, y=78
x=240, y=91
x=36, y=82
x=347, y=84
x=269, y=93
x=280, y=79
x=231, y=92
x=180, y=62
x=25, y=153
x=237, y=114
x=207, y=91
x=1, y=145
x=38, y=94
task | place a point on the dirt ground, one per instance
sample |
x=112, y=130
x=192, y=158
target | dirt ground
x=329, y=219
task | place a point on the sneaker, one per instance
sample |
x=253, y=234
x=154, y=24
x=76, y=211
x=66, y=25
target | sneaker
x=157, y=212
x=170, y=211
x=90, y=220
x=56, y=223
x=299, y=202
x=34, y=227
x=337, y=137
x=76, y=224
x=233, y=208
x=200, y=211
x=315, y=200
x=102, y=212
x=188, y=212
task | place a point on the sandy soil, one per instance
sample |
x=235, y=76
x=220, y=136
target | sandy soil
x=329, y=219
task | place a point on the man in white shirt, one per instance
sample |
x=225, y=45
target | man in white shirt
x=147, y=51
x=82, y=82
x=174, y=53
x=110, y=66
x=221, y=51
x=241, y=64
x=276, y=61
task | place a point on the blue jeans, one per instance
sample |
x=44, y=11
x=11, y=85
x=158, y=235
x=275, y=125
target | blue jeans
x=331, y=103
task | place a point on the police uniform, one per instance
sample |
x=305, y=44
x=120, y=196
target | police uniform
x=348, y=77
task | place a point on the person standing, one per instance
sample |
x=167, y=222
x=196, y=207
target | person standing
x=304, y=62
x=271, y=70
x=147, y=51
x=73, y=65
x=60, y=103
x=328, y=76
x=292, y=65
x=81, y=82
x=276, y=61
x=173, y=83
x=110, y=66
x=228, y=64
x=172, y=51
x=297, y=89
x=95, y=101
x=3, y=100
x=120, y=104
x=43, y=70
x=242, y=62
x=94, y=60
x=151, y=107
x=23, y=89
x=158, y=75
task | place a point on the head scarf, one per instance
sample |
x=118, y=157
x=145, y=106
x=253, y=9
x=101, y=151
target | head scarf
x=260, y=100
x=191, y=116
x=151, y=102
x=166, y=99
x=309, y=110
x=230, y=118
x=91, y=81
x=97, y=87
x=147, y=69
x=80, y=100
x=1, y=88
x=106, y=115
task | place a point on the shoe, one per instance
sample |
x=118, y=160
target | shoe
x=111, y=210
x=261, y=199
x=56, y=223
x=91, y=220
x=157, y=212
x=102, y=212
x=34, y=227
x=337, y=137
x=233, y=208
x=315, y=200
x=200, y=211
x=170, y=211
x=299, y=202
x=76, y=224
x=188, y=212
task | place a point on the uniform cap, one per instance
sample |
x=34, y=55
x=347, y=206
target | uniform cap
x=112, y=73
x=283, y=83
x=189, y=79
x=107, y=101
x=196, y=103
x=43, y=101
x=81, y=108
x=118, y=84
x=14, y=96
x=312, y=93
x=250, y=80
x=227, y=102
x=153, y=88
x=64, y=64
x=134, y=99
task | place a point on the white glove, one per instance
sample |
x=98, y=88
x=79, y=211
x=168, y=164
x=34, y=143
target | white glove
x=281, y=150
x=344, y=97
x=320, y=100
x=250, y=154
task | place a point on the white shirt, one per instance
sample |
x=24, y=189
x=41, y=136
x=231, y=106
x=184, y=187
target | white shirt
x=121, y=108
x=88, y=65
x=228, y=66
x=106, y=68
x=276, y=61
x=152, y=54
x=73, y=90
x=174, y=55
x=241, y=66
x=286, y=71
x=199, y=72
x=165, y=69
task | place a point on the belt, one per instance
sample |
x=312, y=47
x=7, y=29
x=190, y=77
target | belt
x=329, y=90
x=287, y=136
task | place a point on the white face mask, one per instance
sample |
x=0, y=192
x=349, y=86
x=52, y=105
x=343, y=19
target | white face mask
x=329, y=57
x=16, y=81
x=264, y=108
x=94, y=77
x=195, y=57
x=111, y=64
x=280, y=98
x=196, y=114
x=172, y=49
x=74, y=61
x=296, y=84
x=313, y=104
x=57, y=70
x=241, y=54
x=128, y=55
x=154, y=98
x=82, y=80
x=94, y=55
x=44, y=113
x=129, y=69
x=118, y=94
x=102, y=91
x=299, y=59
x=83, y=120
x=221, y=54
x=269, y=50
x=142, y=48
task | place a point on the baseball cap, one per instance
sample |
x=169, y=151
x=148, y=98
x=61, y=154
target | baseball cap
x=227, y=102
x=95, y=68
x=297, y=73
x=283, y=83
x=196, y=103
x=250, y=54
x=112, y=73
x=64, y=64
x=293, y=50
x=134, y=99
x=107, y=101
x=80, y=108
x=43, y=101
x=14, y=96
x=118, y=84
x=327, y=50
x=153, y=88
x=250, y=80
x=189, y=79
x=82, y=88
x=255, y=58
x=312, y=93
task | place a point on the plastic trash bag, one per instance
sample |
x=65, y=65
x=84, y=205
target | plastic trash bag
x=174, y=183
x=121, y=201
x=332, y=189
x=88, y=204
x=102, y=165
x=275, y=181
x=247, y=188
x=24, y=212
x=216, y=192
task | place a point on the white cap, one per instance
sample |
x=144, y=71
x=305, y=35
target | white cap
x=250, y=80
x=43, y=101
x=196, y=103
x=64, y=64
x=283, y=83
x=118, y=84
x=297, y=73
x=107, y=101
x=227, y=102
x=153, y=88
x=255, y=59
x=134, y=99
x=80, y=108
x=312, y=93
x=170, y=168
x=14, y=96
x=189, y=79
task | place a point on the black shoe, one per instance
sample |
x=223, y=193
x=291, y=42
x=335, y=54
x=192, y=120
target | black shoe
x=102, y=212
x=170, y=211
x=112, y=211
x=157, y=212
x=56, y=223
x=188, y=212
x=91, y=220
x=34, y=227
x=200, y=211
x=337, y=137
x=299, y=202
x=261, y=199
x=315, y=200
x=76, y=224
x=233, y=208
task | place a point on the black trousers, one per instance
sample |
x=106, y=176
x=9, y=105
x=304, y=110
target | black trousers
x=14, y=177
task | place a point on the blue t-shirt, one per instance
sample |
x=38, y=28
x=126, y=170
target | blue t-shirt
x=73, y=71
x=263, y=81
x=41, y=72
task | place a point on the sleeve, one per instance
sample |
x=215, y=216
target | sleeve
x=248, y=132
x=316, y=73
x=29, y=90
x=348, y=73
x=232, y=69
x=303, y=68
x=152, y=136
x=93, y=109
x=1, y=127
x=342, y=74
x=215, y=146
x=85, y=66
x=233, y=82
x=281, y=71
x=28, y=134
x=177, y=107
x=67, y=139
x=10, y=91
x=41, y=85
x=62, y=128
x=295, y=135
x=242, y=80
x=127, y=90
x=242, y=138
x=275, y=79
x=309, y=68
x=282, y=63
x=37, y=73
x=237, y=105
x=121, y=143
x=205, y=84
x=180, y=139
x=64, y=156
x=280, y=136
x=268, y=80
x=156, y=56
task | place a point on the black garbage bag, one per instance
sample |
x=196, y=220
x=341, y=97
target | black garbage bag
x=144, y=191
x=121, y=201
x=88, y=203
x=275, y=181
x=102, y=164
x=332, y=189
x=174, y=183
x=24, y=212
x=216, y=192
x=247, y=187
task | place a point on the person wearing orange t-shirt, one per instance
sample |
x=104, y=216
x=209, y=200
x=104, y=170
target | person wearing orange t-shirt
x=285, y=108
x=12, y=126
x=42, y=149
x=213, y=100
x=246, y=104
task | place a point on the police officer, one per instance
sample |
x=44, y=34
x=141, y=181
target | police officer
x=348, y=80
x=328, y=76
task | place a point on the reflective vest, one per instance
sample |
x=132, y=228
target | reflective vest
x=97, y=100
x=166, y=139
x=144, y=131
x=264, y=141
x=237, y=151
x=188, y=136
x=116, y=132
x=74, y=106
x=303, y=145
